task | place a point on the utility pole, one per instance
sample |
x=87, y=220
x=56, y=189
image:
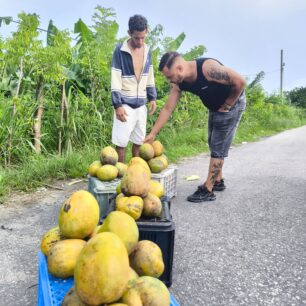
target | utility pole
x=282, y=64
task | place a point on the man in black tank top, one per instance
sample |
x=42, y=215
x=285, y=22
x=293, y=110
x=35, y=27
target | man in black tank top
x=221, y=91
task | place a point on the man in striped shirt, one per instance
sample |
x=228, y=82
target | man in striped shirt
x=132, y=86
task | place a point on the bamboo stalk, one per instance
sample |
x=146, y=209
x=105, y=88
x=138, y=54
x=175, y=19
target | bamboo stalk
x=38, y=117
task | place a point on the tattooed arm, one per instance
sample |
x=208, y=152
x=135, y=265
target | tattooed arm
x=213, y=71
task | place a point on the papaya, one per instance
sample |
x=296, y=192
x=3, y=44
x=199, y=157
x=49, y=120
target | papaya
x=51, y=237
x=139, y=160
x=156, y=188
x=72, y=299
x=146, y=151
x=102, y=270
x=93, y=167
x=121, y=169
x=132, y=274
x=147, y=291
x=79, y=215
x=124, y=226
x=158, y=148
x=109, y=156
x=118, y=188
x=156, y=165
x=119, y=196
x=135, y=181
x=62, y=257
x=152, y=206
x=147, y=259
x=164, y=160
x=107, y=173
x=131, y=205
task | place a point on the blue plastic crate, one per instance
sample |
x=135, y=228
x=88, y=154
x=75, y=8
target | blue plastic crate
x=52, y=290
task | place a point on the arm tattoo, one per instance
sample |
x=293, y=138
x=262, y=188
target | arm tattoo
x=218, y=74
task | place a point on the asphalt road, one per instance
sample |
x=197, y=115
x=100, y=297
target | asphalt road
x=246, y=248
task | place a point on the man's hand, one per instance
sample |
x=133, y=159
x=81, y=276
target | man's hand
x=150, y=138
x=121, y=114
x=152, y=107
x=223, y=109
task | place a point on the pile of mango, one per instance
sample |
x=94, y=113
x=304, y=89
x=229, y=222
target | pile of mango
x=109, y=264
x=154, y=155
x=107, y=168
x=138, y=195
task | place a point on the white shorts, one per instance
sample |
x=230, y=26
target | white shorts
x=134, y=129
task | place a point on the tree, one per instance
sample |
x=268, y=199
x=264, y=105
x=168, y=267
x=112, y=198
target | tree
x=297, y=96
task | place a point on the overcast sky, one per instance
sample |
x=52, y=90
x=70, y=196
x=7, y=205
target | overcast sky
x=246, y=35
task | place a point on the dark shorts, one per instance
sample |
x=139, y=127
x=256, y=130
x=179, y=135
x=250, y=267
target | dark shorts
x=222, y=127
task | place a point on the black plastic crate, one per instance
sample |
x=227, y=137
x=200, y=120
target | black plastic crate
x=160, y=230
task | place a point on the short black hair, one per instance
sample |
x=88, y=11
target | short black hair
x=167, y=60
x=138, y=23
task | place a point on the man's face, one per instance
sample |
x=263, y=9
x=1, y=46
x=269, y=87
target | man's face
x=138, y=38
x=174, y=74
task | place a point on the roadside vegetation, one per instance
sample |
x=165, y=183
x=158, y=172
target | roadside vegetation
x=55, y=107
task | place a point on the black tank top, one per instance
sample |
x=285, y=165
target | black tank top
x=212, y=94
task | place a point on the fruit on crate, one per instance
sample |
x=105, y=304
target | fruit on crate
x=62, y=257
x=124, y=226
x=93, y=167
x=139, y=160
x=109, y=155
x=50, y=238
x=158, y=148
x=132, y=274
x=146, y=151
x=132, y=205
x=147, y=259
x=147, y=291
x=118, y=188
x=79, y=215
x=121, y=169
x=156, y=188
x=135, y=181
x=107, y=173
x=72, y=299
x=119, y=196
x=102, y=270
x=152, y=206
x=156, y=165
x=164, y=160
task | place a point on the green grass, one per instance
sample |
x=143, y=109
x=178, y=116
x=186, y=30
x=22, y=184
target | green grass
x=189, y=140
